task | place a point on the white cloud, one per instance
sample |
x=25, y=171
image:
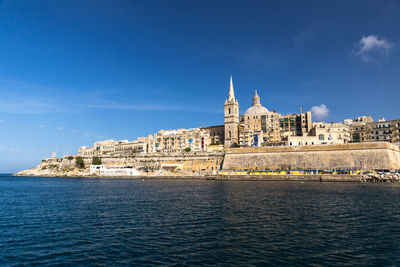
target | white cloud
x=75, y=131
x=60, y=128
x=2, y=121
x=86, y=134
x=320, y=112
x=371, y=46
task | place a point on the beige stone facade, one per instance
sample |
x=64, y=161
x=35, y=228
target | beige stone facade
x=381, y=131
x=257, y=127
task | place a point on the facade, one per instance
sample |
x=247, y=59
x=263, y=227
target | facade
x=216, y=134
x=380, y=131
x=257, y=127
x=295, y=124
x=322, y=133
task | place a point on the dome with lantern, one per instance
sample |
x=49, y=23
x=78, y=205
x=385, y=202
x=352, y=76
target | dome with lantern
x=256, y=108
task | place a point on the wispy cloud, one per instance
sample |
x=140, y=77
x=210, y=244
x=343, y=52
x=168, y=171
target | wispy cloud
x=60, y=128
x=2, y=121
x=370, y=47
x=42, y=126
x=320, y=112
x=150, y=107
x=4, y=148
x=29, y=107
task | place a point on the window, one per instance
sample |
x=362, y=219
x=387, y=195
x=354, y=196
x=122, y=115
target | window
x=229, y=111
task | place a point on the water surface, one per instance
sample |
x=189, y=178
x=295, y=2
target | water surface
x=56, y=221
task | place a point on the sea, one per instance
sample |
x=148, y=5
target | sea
x=196, y=222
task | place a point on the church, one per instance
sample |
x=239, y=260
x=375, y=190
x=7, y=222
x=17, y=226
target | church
x=259, y=126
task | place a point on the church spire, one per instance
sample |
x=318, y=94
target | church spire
x=231, y=97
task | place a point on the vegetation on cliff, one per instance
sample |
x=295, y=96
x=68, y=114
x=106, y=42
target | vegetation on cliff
x=96, y=161
x=79, y=163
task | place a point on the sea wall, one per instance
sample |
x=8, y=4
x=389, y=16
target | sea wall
x=362, y=156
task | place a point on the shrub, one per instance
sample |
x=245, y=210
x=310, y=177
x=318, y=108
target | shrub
x=70, y=157
x=187, y=149
x=80, y=163
x=96, y=161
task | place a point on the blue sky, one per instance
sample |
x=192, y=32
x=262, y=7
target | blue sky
x=75, y=72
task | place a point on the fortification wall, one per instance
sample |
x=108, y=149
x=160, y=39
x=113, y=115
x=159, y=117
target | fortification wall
x=195, y=161
x=189, y=161
x=364, y=156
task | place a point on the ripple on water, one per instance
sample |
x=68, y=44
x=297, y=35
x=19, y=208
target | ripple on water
x=50, y=221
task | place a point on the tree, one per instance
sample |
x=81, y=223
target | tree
x=96, y=161
x=80, y=163
x=187, y=149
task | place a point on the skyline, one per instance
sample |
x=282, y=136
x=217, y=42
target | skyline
x=75, y=73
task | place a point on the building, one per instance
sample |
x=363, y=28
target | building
x=322, y=133
x=257, y=127
x=231, y=121
x=380, y=131
x=295, y=124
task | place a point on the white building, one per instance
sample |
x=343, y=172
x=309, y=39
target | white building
x=113, y=170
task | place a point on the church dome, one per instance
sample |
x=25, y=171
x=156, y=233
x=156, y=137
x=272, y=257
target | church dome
x=256, y=108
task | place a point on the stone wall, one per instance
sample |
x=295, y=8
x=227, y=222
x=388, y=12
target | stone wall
x=363, y=156
x=194, y=161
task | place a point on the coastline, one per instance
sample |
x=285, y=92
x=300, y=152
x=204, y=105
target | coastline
x=304, y=178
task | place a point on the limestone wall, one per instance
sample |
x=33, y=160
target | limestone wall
x=364, y=156
x=195, y=161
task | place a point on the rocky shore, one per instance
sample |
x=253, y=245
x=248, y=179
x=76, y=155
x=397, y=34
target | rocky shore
x=381, y=177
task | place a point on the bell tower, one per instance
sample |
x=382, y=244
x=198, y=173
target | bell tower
x=231, y=118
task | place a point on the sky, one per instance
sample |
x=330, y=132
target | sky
x=76, y=72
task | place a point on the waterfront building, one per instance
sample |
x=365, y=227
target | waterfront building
x=179, y=140
x=322, y=134
x=257, y=127
x=295, y=124
x=380, y=131
x=216, y=134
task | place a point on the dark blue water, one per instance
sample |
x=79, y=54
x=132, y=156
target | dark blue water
x=57, y=221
